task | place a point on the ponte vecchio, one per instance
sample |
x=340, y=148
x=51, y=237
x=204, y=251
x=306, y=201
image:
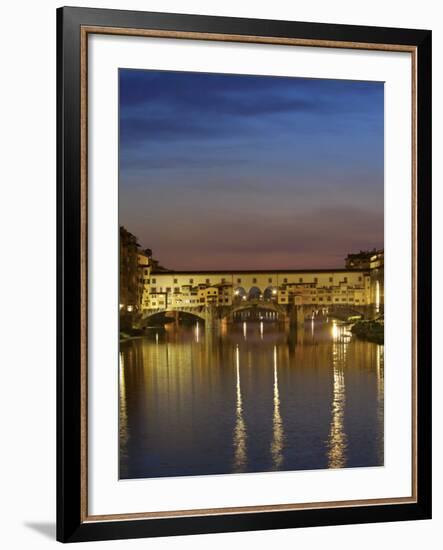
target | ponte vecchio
x=285, y=295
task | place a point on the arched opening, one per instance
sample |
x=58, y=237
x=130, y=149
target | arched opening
x=270, y=294
x=239, y=294
x=255, y=312
x=254, y=294
x=162, y=318
x=189, y=318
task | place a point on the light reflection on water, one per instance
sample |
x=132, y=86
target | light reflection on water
x=249, y=397
x=278, y=434
x=240, y=456
x=337, y=435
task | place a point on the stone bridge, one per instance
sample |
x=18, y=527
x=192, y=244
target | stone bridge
x=296, y=314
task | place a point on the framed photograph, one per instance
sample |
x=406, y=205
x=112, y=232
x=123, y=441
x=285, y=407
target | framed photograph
x=244, y=274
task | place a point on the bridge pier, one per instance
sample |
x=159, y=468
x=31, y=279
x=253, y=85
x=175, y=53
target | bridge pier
x=300, y=315
x=211, y=318
x=297, y=314
x=175, y=315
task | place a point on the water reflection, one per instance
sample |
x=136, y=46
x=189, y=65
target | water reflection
x=123, y=416
x=380, y=396
x=240, y=427
x=337, y=436
x=249, y=397
x=278, y=435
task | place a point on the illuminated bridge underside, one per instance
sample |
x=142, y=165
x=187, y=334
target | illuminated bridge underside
x=291, y=313
x=221, y=312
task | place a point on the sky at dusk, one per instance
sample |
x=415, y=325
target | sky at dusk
x=230, y=172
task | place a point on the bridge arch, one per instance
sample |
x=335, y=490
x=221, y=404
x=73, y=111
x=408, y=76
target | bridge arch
x=254, y=293
x=270, y=293
x=188, y=311
x=240, y=293
x=344, y=311
x=258, y=309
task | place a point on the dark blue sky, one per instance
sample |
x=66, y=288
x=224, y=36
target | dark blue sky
x=250, y=172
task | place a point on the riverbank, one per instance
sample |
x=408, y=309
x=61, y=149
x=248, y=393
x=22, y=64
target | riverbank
x=133, y=335
x=373, y=331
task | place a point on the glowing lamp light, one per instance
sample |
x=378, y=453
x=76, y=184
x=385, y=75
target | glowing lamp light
x=121, y=306
x=130, y=308
x=377, y=296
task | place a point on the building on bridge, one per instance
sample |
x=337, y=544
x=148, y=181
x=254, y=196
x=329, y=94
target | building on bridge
x=365, y=259
x=359, y=286
x=196, y=289
x=371, y=261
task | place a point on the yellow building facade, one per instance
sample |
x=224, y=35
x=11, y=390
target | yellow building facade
x=185, y=290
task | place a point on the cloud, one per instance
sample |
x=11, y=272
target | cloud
x=141, y=87
x=226, y=240
x=172, y=105
x=221, y=172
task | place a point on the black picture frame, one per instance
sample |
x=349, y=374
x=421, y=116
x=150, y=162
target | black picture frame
x=71, y=526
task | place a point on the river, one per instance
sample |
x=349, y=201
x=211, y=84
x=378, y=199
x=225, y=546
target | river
x=249, y=397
